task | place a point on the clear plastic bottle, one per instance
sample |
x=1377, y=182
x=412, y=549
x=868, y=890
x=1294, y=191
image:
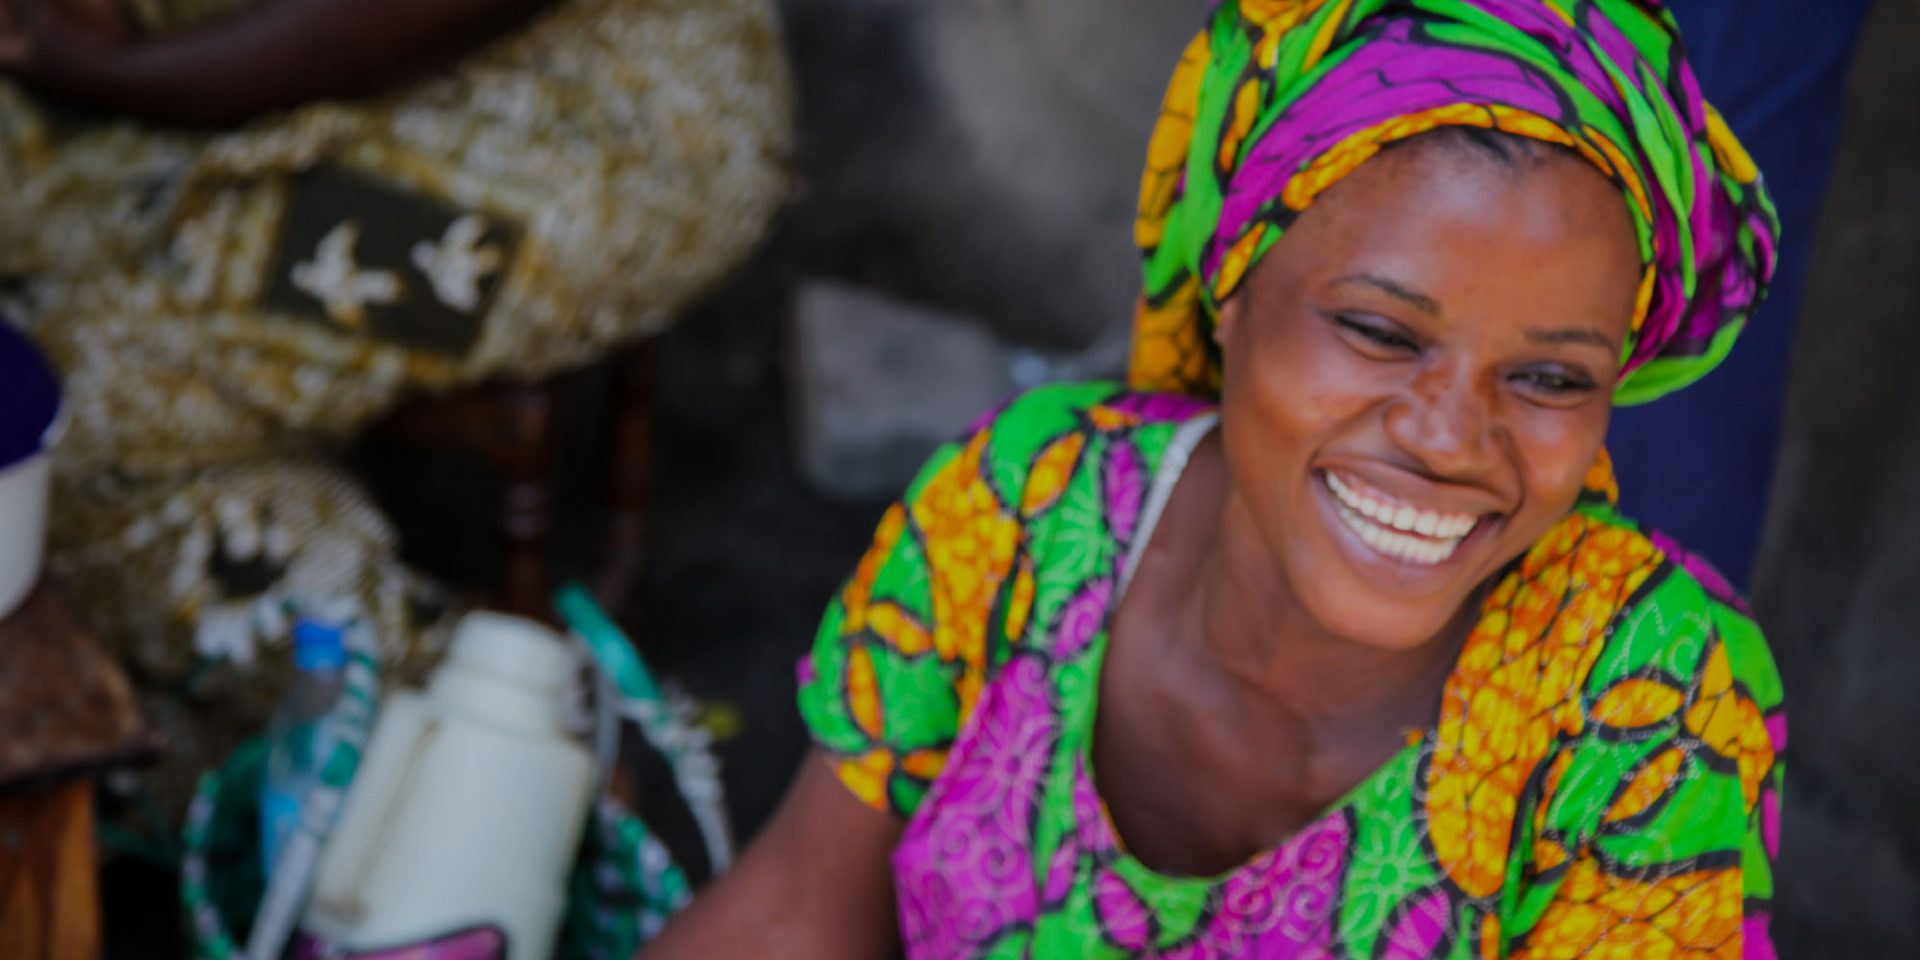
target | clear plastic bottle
x=300, y=736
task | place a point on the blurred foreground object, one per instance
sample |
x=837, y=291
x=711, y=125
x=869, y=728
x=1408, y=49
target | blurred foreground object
x=622, y=883
x=29, y=427
x=439, y=830
x=66, y=715
x=514, y=428
x=229, y=307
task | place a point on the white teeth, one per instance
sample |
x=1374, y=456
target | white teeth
x=1405, y=518
x=1399, y=545
x=1427, y=523
x=1370, y=520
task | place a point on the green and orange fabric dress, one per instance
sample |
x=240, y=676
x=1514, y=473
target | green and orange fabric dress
x=1602, y=778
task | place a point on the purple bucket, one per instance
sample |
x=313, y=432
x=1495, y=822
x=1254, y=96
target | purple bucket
x=29, y=424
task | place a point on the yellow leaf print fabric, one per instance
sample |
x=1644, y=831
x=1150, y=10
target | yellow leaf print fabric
x=1602, y=777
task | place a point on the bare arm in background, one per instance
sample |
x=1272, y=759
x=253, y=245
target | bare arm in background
x=817, y=883
x=276, y=55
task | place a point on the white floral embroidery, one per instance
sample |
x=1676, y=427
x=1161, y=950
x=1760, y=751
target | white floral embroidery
x=225, y=633
x=458, y=263
x=337, y=280
x=199, y=247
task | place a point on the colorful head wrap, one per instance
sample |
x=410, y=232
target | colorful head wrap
x=1278, y=99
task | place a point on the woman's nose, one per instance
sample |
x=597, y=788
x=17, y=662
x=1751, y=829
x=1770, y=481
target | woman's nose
x=1445, y=420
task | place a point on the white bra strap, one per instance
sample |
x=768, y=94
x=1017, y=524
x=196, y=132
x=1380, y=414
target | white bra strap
x=1172, y=463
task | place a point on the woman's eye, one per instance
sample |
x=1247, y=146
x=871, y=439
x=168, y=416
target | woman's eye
x=1379, y=335
x=1556, y=382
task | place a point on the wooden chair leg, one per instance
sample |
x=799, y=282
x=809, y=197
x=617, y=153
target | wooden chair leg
x=526, y=462
x=49, y=893
x=629, y=493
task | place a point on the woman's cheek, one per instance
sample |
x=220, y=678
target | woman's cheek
x=1558, y=450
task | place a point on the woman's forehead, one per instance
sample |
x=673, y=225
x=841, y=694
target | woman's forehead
x=1441, y=229
x=1433, y=196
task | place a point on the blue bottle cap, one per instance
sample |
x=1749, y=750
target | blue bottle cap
x=29, y=397
x=318, y=646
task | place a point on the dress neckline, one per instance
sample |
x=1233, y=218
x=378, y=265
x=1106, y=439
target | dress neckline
x=1173, y=463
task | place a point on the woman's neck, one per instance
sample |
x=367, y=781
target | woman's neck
x=1254, y=628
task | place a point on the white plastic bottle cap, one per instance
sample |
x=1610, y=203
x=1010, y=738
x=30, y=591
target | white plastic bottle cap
x=513, y=650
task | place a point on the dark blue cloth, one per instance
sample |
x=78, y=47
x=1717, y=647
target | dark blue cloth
x=1698, y=464
x=29, y=396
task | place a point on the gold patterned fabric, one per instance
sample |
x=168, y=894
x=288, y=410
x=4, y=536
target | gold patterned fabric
x=225, y=306
x=570, y=187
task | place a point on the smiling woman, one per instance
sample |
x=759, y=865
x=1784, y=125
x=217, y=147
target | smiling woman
x=1323, y=636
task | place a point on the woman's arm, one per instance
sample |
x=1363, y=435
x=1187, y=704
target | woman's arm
x=817, y=883
x=276, y=55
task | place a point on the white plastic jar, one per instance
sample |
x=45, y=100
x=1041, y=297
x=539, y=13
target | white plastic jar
x=29, y=425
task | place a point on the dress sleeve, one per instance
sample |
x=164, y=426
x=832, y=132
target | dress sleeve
x=1657, y=830
x=902, y=652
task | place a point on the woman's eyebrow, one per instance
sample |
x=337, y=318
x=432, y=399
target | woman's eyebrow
x=1431, y=306
x=1419, y=301
x=1576, y=335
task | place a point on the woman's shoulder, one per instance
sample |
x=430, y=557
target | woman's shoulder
x=1680, y=661
x=1658, y=760
x=1635, y=646
x=1043, y=424
x=1682, y=624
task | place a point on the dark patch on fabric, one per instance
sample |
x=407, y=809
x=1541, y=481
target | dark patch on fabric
x=368, y=281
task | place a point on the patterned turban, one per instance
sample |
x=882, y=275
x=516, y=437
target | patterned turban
x=1276, y=100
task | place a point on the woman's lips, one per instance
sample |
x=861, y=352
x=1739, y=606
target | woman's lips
x=1394, y=528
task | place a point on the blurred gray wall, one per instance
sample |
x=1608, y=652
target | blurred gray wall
x=1838, y=586
x=984, y=154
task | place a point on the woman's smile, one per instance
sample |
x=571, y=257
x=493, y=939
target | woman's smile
x=1394, y=528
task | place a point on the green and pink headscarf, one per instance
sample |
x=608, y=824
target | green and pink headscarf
x=1278, y=99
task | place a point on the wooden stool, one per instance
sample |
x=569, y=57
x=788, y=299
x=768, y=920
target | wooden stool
x=512, y=426
x=67, y=714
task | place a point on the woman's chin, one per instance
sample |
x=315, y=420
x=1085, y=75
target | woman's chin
x=1386, y=626
x=1390, y=589
x=1374, y=608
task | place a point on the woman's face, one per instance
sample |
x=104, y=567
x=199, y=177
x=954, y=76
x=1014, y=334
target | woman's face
x=1418, y=376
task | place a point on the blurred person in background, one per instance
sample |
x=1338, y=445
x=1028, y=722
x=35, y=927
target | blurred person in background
x=1699, y=464
x=245, y=229
x=1324, y=634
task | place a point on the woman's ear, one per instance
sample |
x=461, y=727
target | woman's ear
x=1226, y=320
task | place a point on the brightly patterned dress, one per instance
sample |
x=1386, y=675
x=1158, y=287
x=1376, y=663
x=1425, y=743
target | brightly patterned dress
x=1602, y=778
